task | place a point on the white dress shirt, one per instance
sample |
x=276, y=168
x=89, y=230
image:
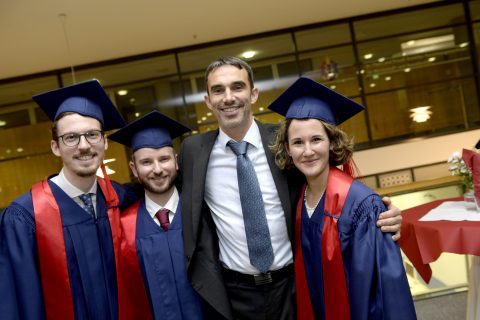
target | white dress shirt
x=223, y=198
x=153, y=207
x=73, y=192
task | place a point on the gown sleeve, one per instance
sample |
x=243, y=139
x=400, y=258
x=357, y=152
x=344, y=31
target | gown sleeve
x=20, y=284
x=378, y=286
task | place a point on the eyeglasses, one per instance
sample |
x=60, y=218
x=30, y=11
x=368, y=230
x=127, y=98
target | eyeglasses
x=73, y=139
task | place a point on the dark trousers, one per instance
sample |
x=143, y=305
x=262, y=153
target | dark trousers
x=274, y=301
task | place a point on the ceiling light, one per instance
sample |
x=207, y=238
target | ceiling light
x=420, y=114
x=463, y=44
x=122, y=92
x=204, y=118
x=430, y=44
x=137, y=114
x=3, y=123
x=199, y=121
x=20, y=149
x=382, y=59
x=388, y=78
x=333, y=87
x=209, y=114
x=407, y=69
x=431, y=59
x=362, y=71
x=372, y=85
x=249, y=54
x=368, y=56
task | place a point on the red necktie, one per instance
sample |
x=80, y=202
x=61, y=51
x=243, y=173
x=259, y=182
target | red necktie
x=162, y=216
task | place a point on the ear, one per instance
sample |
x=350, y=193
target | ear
x=287, y=148
x=106, y=141
x=131, y=164
x=254, y=95
x=176, y=162
x=207, y=102
x=55, y=148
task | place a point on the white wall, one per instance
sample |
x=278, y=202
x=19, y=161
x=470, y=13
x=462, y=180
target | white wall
x=414, y=153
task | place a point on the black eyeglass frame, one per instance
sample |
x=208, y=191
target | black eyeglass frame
x=78, y=137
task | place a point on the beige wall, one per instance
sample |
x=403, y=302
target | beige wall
x=414, y=153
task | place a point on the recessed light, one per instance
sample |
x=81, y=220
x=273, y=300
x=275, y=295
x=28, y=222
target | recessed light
x=3, y=123
x=407, y=69
x=388, y=78
x=249, y=54
x=137, y=114
x=431, y=59
x=368, y=56
x=463, y=44
x=122, y=92
x=382, y=59
x=372, y=85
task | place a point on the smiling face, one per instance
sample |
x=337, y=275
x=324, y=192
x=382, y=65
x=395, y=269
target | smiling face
x=230, y=97
x=156, y=170
x=83, y=160
x=309, y=146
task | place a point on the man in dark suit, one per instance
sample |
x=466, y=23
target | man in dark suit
x=215, y=239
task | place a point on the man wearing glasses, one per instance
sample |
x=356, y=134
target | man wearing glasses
x=58, y=241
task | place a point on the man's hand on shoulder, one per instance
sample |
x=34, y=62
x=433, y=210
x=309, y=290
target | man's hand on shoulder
x=391, y=220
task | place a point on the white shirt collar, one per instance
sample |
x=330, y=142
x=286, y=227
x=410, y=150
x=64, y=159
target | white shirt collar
x=62, y=182
x=172, y=203
x=252, y=136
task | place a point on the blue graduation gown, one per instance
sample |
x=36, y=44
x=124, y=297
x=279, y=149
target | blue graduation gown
x=376, y=280
x=162, y=261
x=90, y=259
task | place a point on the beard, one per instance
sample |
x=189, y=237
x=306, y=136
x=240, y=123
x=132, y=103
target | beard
x=157, y=189
x=86, y=172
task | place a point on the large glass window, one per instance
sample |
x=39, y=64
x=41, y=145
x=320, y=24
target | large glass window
x=126, y=72
x=322, y=37
x=414, y=59
x=450, y=107
x=409, y=22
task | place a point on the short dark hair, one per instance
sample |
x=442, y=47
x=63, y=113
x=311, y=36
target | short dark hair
x=55, y=124
x=230, y=61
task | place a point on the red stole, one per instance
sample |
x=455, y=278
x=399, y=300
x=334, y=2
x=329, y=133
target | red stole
x=51, y=247
x=133, y=292
x=335, y=286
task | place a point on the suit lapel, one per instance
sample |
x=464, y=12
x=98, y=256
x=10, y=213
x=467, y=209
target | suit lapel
x=267, y=131
x=200, y=167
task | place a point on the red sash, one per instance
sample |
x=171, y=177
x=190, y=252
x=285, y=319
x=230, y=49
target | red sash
x=132, y=294
x=335, y=286
x=51, y=247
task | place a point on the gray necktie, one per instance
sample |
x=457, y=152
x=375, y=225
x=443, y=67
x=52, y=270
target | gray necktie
x=87, y=200
x=256, y=228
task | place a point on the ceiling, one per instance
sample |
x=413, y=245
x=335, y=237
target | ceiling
x=33, y=37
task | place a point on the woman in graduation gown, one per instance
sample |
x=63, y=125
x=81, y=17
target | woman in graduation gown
x=345, y=267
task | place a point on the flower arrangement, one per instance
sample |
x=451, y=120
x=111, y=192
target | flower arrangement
x=459, y=168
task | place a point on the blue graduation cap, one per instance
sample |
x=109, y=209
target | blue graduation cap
x=86, y=98
x=306, y=99
x=153, y=130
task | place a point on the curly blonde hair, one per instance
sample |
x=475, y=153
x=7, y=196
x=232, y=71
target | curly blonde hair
x=341, y=146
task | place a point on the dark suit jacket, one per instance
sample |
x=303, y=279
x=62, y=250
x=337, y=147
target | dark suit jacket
x=199, y=233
